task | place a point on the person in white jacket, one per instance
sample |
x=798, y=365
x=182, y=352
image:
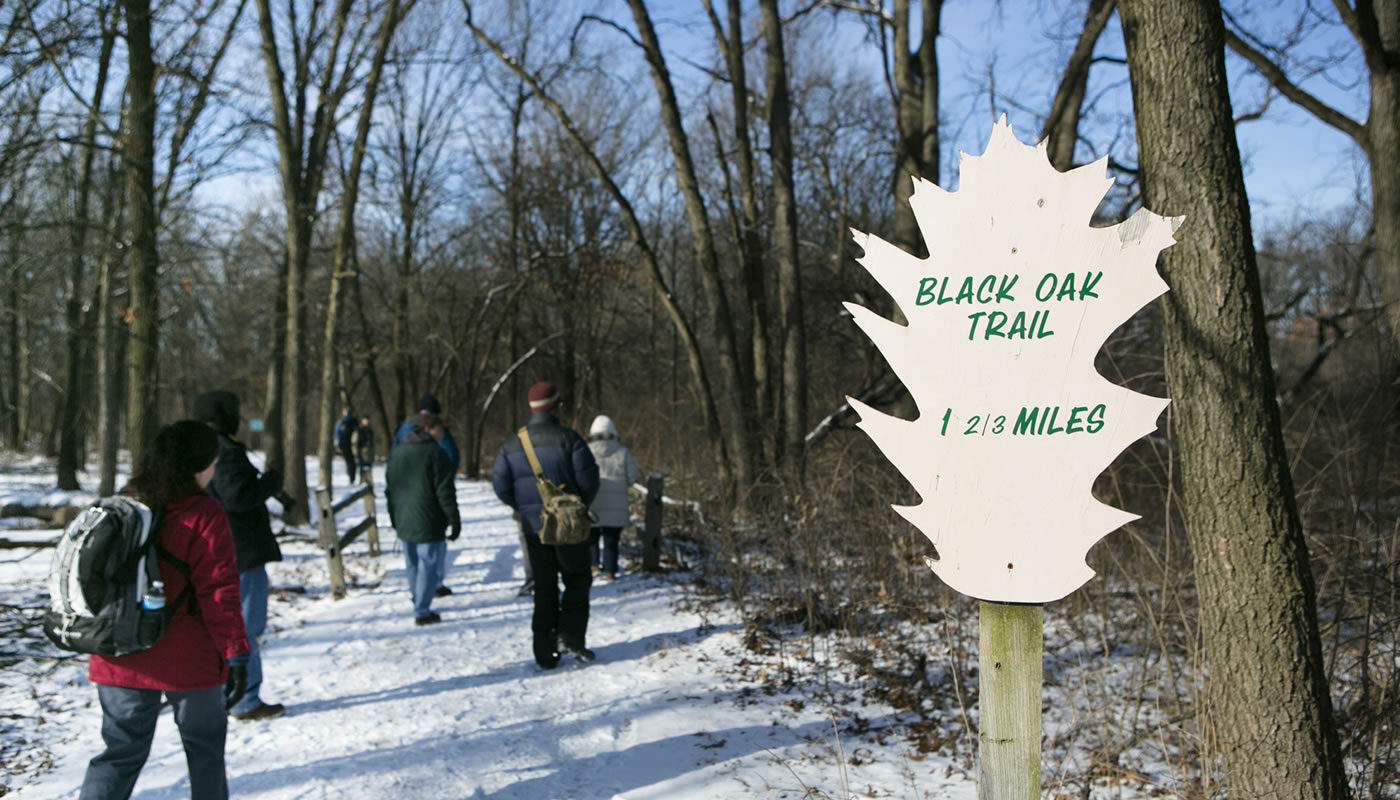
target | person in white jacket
x=616, y=471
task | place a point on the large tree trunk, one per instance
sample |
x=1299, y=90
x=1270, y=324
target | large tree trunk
x=344, y=262
x=143, y=265
x=24, y=404
x=1383, y=149
x=111, y=343
x=794, y=350
x=758, y=367
x=1269, y=708
x=79, y=332
x=294, y=368
x=915, y=137
x=13, y=345
x=271, y=439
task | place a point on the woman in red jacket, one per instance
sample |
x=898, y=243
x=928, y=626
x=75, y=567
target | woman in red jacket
x=188, y=664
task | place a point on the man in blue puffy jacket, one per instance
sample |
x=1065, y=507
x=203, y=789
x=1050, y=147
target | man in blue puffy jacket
x=560, y=623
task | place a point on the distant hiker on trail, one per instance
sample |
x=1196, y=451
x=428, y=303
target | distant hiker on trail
x=244, y=494
x=419, y=485
x=195, y=664
x=344, y=435
x=363, y=444
x=616, y=471
x=559, y=625
x=430, y=405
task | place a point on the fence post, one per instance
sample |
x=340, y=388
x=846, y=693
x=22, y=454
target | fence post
x=330, y=541
x=1009, y=663
x=651, y=534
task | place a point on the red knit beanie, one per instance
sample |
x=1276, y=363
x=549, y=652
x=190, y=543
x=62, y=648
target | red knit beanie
x=543, y=397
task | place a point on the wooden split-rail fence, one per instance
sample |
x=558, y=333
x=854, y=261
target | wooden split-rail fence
x=333, y=542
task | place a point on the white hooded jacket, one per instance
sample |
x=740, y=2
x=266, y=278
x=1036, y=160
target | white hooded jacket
x=616, y=471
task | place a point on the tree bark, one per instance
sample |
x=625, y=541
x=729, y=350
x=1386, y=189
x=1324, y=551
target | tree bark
x=794, y=359
x=912, y=138
x=143, y=265
x=1269, y=707
x=272, y=438
x=110, y=346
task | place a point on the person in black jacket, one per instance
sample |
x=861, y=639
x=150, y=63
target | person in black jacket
x=560, y=624
x=344, y=435
x=244, y=493
x=363, y=442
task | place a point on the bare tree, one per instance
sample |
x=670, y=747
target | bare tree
x=1375, y=24
x=734, y=422
x=303, y=133
x=1269, y=702
x=69, y=455
x=794, y=350
x=745, y=221
x=143, y=265
x=1062, y=123
x=708, y=410
x=344, y=263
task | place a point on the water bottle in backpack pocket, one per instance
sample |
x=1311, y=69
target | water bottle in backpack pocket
x=105, y=592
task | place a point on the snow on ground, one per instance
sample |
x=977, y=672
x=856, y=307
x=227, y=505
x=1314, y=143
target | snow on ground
x=378, y=707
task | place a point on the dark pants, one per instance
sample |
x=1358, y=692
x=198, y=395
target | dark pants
x=128, y=726
x=608, y=538
x=565, y=617
x=352, y=465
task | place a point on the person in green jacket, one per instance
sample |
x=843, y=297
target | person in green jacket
x=418, y=485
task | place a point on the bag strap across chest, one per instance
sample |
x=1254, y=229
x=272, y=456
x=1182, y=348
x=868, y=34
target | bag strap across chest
x=530, y=454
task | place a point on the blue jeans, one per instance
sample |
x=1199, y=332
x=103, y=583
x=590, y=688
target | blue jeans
x=425, y=562
x=128, y=726
x=252, y=589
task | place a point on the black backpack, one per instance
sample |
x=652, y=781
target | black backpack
x=105, y=564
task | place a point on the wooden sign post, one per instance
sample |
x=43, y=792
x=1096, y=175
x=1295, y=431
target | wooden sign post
x=1005, y=317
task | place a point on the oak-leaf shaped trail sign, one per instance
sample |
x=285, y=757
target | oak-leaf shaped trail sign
x=1005, y=317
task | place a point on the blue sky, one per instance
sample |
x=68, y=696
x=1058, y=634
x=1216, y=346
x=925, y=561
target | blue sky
x=1294, y=165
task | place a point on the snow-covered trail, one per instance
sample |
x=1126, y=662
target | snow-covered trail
x=381, y=708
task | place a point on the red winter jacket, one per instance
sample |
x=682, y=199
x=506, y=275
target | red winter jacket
x=191, y=654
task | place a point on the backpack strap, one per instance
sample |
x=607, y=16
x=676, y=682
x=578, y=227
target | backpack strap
x=186, y=594
x=153, y=571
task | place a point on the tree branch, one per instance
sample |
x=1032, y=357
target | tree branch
x=1309, y=102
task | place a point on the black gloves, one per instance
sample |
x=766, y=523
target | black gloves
x=456, y=531
x=235, y=686
x=288, y=502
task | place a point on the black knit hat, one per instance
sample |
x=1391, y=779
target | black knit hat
x=219, y=409
x=429, y=404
